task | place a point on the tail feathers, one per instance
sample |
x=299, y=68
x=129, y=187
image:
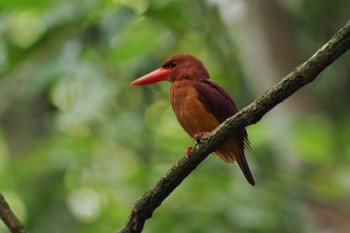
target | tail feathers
x=232, y=151
x=243, y=164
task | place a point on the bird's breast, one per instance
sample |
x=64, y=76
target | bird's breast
x=191, y=113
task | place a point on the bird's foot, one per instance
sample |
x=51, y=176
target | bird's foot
x=189, y=148
x=198, y=136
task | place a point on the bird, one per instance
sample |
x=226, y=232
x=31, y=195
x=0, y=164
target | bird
x=200, y=105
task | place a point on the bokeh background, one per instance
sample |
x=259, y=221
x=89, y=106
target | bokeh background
x=79, y=144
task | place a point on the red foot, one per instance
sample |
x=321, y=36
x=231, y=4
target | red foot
x=188, y=152
x=197, y=135
x=195, y=138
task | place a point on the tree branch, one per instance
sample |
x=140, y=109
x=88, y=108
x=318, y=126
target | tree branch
x=9, y=218
x=251, y=114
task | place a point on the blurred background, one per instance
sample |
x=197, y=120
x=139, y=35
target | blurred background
x=79, y=144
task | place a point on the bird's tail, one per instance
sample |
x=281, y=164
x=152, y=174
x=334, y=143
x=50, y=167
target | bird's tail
x=233, y=150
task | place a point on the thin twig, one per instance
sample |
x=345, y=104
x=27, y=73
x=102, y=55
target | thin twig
x=303, y=74
x=9, y=218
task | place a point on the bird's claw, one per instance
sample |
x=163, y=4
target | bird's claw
x=189, y=148
x=198, y=136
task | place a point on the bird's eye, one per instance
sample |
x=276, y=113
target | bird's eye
x=173, y=64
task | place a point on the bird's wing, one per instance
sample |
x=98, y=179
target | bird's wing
x=215, y=99
x=219, y=103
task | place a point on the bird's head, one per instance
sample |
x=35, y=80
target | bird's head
x=181, y=66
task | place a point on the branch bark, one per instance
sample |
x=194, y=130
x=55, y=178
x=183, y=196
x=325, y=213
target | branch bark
x=9, y=218
x=303, y=74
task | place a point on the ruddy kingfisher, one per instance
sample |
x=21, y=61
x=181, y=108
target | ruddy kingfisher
x=200, y=105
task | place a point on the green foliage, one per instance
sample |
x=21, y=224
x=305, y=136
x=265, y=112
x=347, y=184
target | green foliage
x=78, y=144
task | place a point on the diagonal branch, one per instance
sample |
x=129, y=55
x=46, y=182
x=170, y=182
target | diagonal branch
x=9, y=218
x=303, y=74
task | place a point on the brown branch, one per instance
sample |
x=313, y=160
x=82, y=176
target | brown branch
x=9, y=218
x=251, y=114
